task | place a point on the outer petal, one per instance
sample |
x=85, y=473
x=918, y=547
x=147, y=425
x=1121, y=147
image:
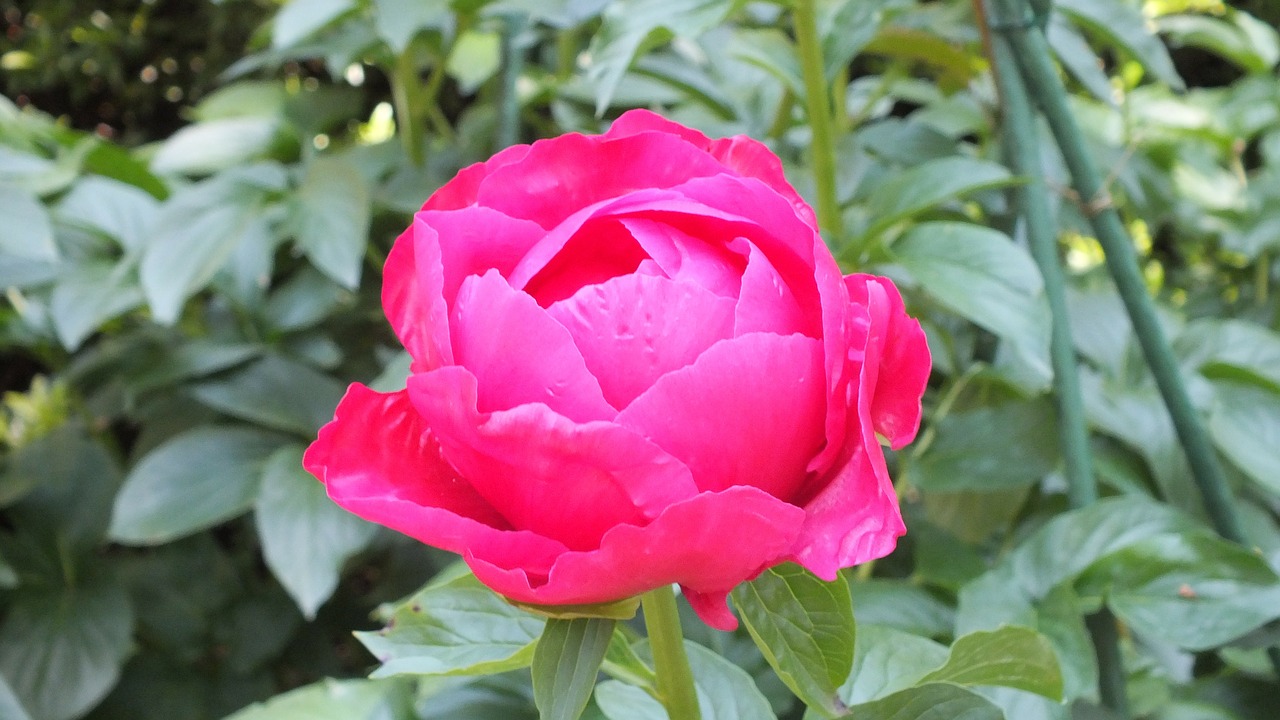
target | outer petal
x=469, y=242
x=855, y=518
x=396, y=477
x=563, y=480
x=462, y=190
x=633, y=329
x=412, y=300
x=896, y=348
x=742, y=154
x=519, y=354
x=708, y=544
x=748, y=412
x=564, y=174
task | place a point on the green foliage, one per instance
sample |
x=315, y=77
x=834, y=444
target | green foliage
x=183, y=308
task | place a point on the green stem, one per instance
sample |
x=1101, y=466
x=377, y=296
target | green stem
x=1106, y=645
x=404, y=84
x=1035, y=63
x=818, y=103
x=675, y=678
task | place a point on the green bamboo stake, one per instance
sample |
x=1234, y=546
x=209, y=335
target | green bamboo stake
x=512, y=54
x=1032, y=200
x=1031, y=50
x=1036, y=66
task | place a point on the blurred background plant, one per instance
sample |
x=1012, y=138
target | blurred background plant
x=197, y=199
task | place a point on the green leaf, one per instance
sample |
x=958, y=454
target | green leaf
x=725, y=691
x=928, y=185
x=194, y=236
x=61, y=650
x=89, y=294
x=300, y=18
x=458, y=628
x=804, y=627
x=1227, y=348
x=329, y=216
x=337, y=700
x=208, y=147
x=1015, y=657
x=565, y=665
x=621, y=661
x=1009, y=445
x=276, y=392
x=1194, y=590
x=306, y=538
x=1245, y=424
x=474, y=58
x=10, y=707
x=26, y=231
x=631, y=24
x=848, y=30
x=399, y=21
x=982, y=275
x=1238, y=37
x=888, y=661
x=901, y=605
x=1124, y=26
x=621, y=701
x=116, y=209
x=1078, y=58
x=934, y=701
x=193, y=481
x=1069, y=543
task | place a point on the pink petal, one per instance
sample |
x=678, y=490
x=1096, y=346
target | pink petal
x=855, y=517
x=519, y=354
x=563, y=480
x=378, y=460
x=766, y=303
x=462, y=190
x=749, y=411
x=633, y=329
x=562, y=175
x=635, y=122
x=896, y=363
x=600, y=250
x=708, y=543
x=411, y=298
x=749, y=157
x=714, y=260
x=456, y=244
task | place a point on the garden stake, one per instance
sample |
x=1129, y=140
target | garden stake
x=1031, y=199
x=1015, y=22
x=512, y=65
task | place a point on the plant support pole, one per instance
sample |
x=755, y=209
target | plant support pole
x=1016, y=23
x=817, y=97
x=1032, y=202
x=1034, y=62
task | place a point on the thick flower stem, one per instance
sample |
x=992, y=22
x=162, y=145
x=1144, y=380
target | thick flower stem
x=404, y=97
x=675, y=678
x=818, y=104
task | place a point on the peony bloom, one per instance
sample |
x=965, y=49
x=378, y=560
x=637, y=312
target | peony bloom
x=635, y=363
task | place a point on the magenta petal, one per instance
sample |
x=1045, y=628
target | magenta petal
x=855, y=518
x=748, y=156
x=896, y=360
x=543, y=472
x=749, y=411
x=633, y=329
x=560, y=176
x=469, y=242
x=766, y=303
x=708, y=544
x=519, y=354
x=714, y=261
x=396, y=477
x=411, y=298
x=713, y=608
x=461, y=191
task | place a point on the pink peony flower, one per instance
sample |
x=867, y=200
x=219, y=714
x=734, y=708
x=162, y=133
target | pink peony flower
x=635, y=363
